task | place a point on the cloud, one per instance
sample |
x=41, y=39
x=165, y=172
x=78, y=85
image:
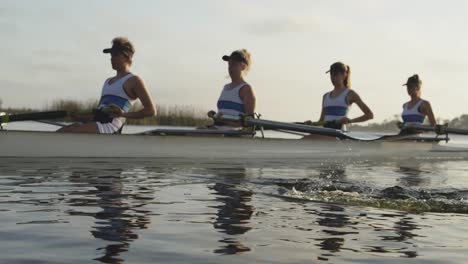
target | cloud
x=9, y=10
x=448, y=65
x=12, y=91
x=9, y=29
x=281, y=25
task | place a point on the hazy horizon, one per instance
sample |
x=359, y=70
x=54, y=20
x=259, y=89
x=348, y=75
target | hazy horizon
x=53, y=50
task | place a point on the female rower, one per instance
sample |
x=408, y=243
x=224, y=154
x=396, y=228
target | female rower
x=237, y=97
x=336, y=103
x=417, y=109
x=118, y=95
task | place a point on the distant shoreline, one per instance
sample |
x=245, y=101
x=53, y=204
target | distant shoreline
x=175, y=115
x=186, y=115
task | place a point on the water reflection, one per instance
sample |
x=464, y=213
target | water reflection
x=412, y=174
x=234, y=211
x=404, y=229
x=340, y=229
x=121, y=213
x=114, y=197
x=339, y=226
x=335, y=222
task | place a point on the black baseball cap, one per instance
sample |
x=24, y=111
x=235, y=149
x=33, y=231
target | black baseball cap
x=337, y=67
x=236, y=56
x=413, y=80
x=121, y=45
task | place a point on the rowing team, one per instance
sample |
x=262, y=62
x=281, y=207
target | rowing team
x=237, y=97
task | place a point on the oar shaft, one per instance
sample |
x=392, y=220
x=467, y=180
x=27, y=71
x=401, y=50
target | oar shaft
x=37, y=116
x=449, y=130
x=457, y=131
x=47, y=115
x=417, y=127
x=250, y=121
x=316, y=123
x=294, y=127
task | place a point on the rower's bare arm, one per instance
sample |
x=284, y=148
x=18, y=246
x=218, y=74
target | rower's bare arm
x=368, y=115
x=427, y=110
x=248, y=97
x=322, y=113
x=138, y=87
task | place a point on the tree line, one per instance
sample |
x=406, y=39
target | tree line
x=186, y=115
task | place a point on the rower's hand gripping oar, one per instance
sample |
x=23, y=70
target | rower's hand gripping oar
x=239, y=120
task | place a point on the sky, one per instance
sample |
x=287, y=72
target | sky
x=52, y=49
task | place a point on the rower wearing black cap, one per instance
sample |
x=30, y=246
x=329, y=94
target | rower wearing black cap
x=237, y=97
x=336, y=103
x=417, y=109
x=118, y=95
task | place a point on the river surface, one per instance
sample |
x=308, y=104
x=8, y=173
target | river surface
x=391, y=210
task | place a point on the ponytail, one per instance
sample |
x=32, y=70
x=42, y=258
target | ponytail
x=347, y=80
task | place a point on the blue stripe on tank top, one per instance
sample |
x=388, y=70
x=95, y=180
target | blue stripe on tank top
x=413, y=118
x=335, y=110
x=117, y=100
x=230, y=105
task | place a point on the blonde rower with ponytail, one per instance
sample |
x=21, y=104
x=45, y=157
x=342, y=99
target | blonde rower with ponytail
x=336, y=103
x=237, y=97
x=416, y=109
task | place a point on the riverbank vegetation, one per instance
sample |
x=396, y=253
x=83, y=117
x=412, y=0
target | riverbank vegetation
x=187, y=115
x=176, y=115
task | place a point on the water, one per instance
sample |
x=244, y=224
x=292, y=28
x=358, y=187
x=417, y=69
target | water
x=213, y=211
x=180, y=211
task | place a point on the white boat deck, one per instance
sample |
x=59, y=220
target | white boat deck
x=21, y=141
x=51, y=144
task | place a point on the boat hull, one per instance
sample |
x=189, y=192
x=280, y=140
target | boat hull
x=51, y=144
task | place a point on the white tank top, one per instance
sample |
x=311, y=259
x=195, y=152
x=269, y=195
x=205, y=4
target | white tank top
x=413, y=115
x=335, y=108
x=115, y=94
x=230, y=102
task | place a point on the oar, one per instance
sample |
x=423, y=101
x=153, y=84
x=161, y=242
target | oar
x=5, y=118
x=317, y=123
x=39, y=116
x=250, y=121
x=440, y=130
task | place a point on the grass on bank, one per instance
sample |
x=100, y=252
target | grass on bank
x=186, y=115
x=176, y=115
